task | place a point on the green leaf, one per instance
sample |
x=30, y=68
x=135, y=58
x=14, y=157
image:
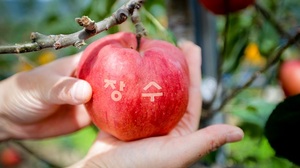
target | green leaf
x=282, y=129
x=253, y=111
x=237, y=40
x=268, y=39
x=236, y=54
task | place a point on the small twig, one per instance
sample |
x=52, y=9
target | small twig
x=275, y=23
x=270, y=19
x=221, y=59
x=41, y=41
x=87, y=23
x=270, y=63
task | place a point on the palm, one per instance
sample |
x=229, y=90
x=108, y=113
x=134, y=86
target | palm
x=156, y=148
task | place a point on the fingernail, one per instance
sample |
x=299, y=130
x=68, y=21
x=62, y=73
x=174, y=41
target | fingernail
x=81, y=92
x=235, y=136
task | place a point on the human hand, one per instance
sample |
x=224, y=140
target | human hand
x=180, y=148
x=44, y=102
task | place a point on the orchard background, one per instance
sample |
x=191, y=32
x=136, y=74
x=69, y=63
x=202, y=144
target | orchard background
x=242, y=53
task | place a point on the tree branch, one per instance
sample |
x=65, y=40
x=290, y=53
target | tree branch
x=221, y=61
x=270, y=19
x=292, y=41
x=270, y=63
x=41, y=41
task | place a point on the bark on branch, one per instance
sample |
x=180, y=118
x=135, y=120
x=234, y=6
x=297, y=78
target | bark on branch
x=40, y=41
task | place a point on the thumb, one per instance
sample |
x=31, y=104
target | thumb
x=63, y=89
x=70, y=90
x=204, y=141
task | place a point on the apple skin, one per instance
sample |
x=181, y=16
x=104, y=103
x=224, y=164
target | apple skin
x=136, y=94
x=289, y=77
x=223, y=7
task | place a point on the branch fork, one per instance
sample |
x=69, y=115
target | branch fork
x=90, y=28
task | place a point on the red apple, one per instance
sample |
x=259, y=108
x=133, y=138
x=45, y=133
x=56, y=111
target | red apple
x=9, y=157
x=223, y=7
x=136, y=94
x=289, y=77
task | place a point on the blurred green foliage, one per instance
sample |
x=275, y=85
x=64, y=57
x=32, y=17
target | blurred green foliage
x=252, y=39
x=249, y=26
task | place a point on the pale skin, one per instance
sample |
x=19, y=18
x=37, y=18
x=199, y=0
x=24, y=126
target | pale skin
x=45, y=102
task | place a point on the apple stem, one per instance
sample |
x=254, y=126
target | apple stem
x=138, y=40
x=139, y=27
